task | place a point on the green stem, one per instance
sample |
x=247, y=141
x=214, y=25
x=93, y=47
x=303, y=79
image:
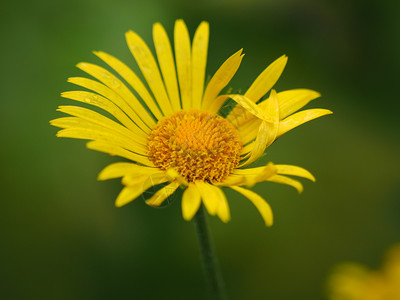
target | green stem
x=211, y=267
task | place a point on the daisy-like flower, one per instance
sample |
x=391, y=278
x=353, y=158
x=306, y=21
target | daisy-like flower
x=171, y=130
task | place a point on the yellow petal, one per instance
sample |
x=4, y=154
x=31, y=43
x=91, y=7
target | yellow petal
x=120, y=169
x=294, y=171
x=183, y=63
x=300, y=118
x=260, y=144
x=159, y=197
x=102, y=135
x=266, y=80
x=248, y=131
x=292, y=100
x=247, y=104
x=210, y=199
x=118, y=151
x=112, y=96
x=199, y=61
x=223, y=211
x=120, y=89
x=150, y=71
x=96, y=118
x=131, y=192
x=255, y=175
x=167, y=64
x=262, y=206
x=268, y=130
x=132, y=79
x=103, y=103
x=173, y=174
x=191, y=201
x=286, y=180
x=146, y=180
x=220, y=79
x=137, y=186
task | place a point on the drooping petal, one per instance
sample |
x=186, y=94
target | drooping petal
x=126, y=73
x=112, y=96
x=208, y=196
x=199, y=61
x=159, y=197
x=262, y=206
x=247, y=104
x=220, y=79
x=137, y=185
x=150, y=71
x=183, y=62
x=294, y=171
x=114, y=150
x=120, y=169
x=223, y=210
x=167, y=64
x=267, y=131
x=191, y=202
x=120, y=89
x=287, y=180
x=300, y=118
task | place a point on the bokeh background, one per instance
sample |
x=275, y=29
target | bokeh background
x=61, y=236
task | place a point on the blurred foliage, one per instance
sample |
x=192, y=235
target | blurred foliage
x=62, y=237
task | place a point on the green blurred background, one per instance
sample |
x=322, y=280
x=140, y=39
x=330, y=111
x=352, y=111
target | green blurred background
x=61, y=236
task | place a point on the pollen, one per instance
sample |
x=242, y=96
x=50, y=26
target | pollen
x=200, y=146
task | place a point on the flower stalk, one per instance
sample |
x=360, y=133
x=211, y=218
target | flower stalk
x=209, y=260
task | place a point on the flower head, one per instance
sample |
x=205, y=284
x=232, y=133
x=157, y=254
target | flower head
x=352, y=281
x=171, y=130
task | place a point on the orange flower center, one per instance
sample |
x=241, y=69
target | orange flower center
x=198, y=145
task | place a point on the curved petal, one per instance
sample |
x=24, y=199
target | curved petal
x=294, y=171
x=286, y=180
x=167, y=64
x=264, y=82
x=262, y=206
x=292, y=100
x=220, y=79
x=150, y=71
x=223, y=211
x=159, y=197
x=130, y=77
x=300, y=118
x=131, y=192
x=199, y=61
x=268, y=130
x=183, y=62
x=191, y=202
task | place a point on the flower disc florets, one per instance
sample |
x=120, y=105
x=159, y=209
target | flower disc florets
x=198, y=145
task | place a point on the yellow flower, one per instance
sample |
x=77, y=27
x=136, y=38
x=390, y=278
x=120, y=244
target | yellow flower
x=171, y=129
x=351, y=281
